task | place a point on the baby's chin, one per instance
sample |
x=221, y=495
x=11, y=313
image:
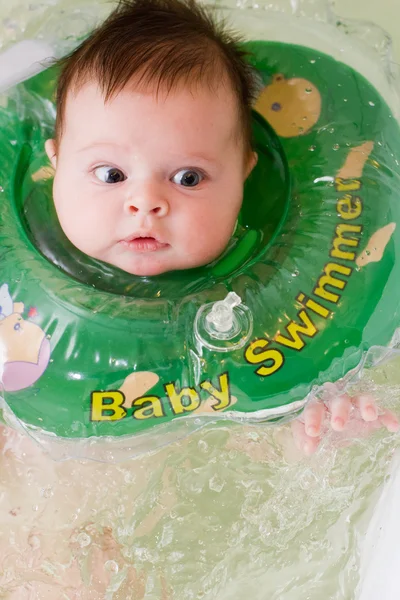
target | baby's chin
x=145, y=270
x=151, y=265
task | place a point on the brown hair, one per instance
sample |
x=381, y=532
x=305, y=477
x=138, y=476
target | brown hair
x=162, y=42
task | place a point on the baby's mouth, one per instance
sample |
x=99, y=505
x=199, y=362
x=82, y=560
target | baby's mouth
x=143, y=243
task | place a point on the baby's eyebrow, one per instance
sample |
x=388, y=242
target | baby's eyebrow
x=186, y=157
x=202, y=158
x=100, y=145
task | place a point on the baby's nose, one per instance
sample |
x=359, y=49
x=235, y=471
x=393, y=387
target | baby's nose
x=147, y=200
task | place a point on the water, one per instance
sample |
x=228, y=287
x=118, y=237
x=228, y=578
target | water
x=228, y=513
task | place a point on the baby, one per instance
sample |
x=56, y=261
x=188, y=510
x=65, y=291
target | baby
x=153, y=138
x=152, y=148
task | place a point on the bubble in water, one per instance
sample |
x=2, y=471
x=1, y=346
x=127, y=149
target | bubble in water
x=129, y=477
x=313, y=61
x=196, y=488
x=203, y=446
x=308, y=90
x=34, y=542
x=47, y=492
x=345, y=100
x=312, y=148
x=336, y=147
x=174, y=557
x=331, y=130
x=371, y=103
x=167, y=536
x=264, y=530
x=216, y=484
x=83, y=539
x=111, y=566
x=1, y=189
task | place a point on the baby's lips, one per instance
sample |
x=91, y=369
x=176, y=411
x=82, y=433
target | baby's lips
x=144, y=244
x=143, y=235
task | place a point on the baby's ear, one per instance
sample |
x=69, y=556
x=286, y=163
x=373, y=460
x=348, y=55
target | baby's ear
x=251, y=163
x=50, y=147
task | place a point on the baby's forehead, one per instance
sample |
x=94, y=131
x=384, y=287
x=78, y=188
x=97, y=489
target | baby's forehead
x=188, y=117
x=89, y=96
x=212, y=82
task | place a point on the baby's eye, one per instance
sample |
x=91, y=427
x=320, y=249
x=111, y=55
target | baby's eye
x=109, y=174
x=188, y=178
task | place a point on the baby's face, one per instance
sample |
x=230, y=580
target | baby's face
x=150, y=184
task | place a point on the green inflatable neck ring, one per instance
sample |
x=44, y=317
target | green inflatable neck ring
x=306, y=286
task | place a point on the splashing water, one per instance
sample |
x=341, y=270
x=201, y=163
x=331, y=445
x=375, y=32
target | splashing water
x=229, y=511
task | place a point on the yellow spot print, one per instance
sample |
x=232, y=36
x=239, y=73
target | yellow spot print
x=43, y=173
x=376, y=245
x=291, y=106
x=355, y=161
x=136, y=385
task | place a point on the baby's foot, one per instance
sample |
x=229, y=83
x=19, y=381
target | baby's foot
x=358, y=416
x=97, y=551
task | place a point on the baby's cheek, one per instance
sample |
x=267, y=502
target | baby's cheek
x=212, y=221
x=205, y=240
x=84, y=221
